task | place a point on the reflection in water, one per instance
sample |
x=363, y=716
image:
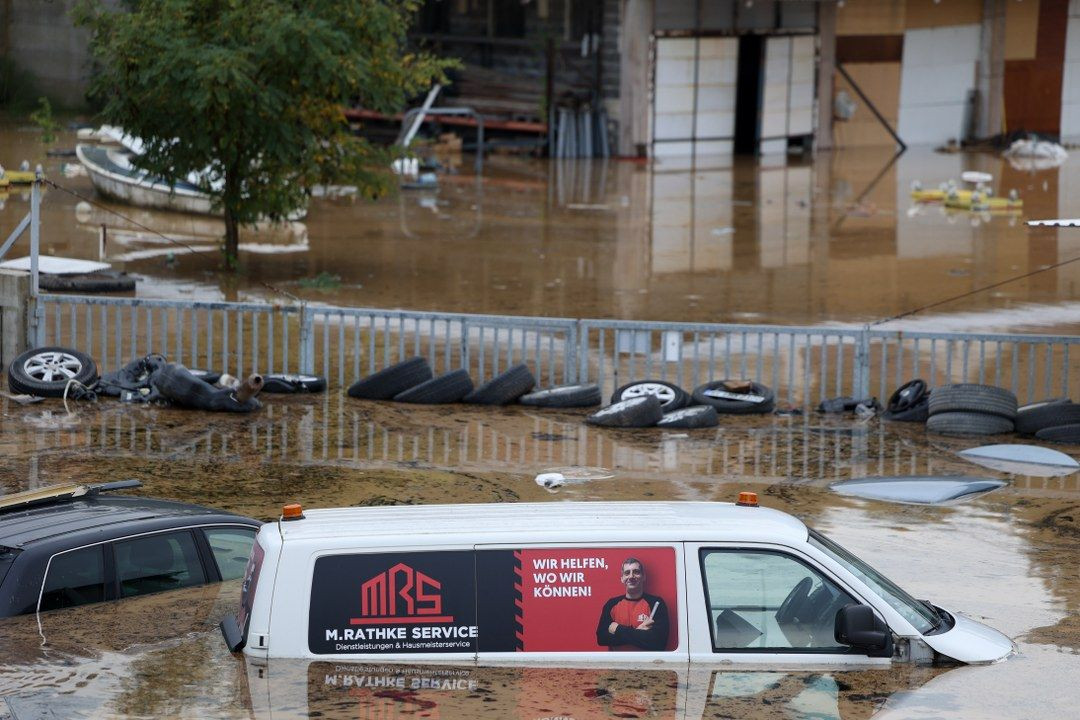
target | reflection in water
x=719, y=239
x=345, y=434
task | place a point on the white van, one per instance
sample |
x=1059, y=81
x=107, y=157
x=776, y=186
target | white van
x=578, y=582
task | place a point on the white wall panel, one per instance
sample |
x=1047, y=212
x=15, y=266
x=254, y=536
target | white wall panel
x=937, y=72
x=1070, y=82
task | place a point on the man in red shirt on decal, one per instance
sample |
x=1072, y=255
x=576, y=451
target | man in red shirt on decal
x=634, y=620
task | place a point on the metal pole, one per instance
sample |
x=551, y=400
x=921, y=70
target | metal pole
x=35, y=231
x=862, y=96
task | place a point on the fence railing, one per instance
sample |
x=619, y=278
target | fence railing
x=803, y=365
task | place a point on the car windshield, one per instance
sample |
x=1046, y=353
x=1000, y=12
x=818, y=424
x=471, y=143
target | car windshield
x=922, y=617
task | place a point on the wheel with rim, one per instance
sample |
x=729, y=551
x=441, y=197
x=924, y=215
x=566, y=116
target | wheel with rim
x=285, y=384
x=909, y=403
x=46, y=371
x=671, y=397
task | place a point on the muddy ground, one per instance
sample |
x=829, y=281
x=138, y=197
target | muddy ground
x=1009, y=558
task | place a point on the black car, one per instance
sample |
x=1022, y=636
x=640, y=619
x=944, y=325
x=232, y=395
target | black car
x=78, y=544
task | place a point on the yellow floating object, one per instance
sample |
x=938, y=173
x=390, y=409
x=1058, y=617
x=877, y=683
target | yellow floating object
x=928, y=196
x=19, y=177
x=4, y=182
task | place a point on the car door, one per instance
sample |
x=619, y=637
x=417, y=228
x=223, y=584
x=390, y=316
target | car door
x=157, y=562
x=764, y=604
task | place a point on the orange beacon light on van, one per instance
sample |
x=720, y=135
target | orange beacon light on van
x=292, y=511
x=747, y=499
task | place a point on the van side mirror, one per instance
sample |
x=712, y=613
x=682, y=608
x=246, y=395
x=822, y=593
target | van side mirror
x=859, y=627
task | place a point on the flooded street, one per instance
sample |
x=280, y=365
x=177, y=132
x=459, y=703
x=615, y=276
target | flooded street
x=1015, y=549
x=836, y=241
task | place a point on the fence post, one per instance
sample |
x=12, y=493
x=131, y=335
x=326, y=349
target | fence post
x=570, y=370
x=862, y=363
x=582, y=352
x=17, y=333
x=307, y=340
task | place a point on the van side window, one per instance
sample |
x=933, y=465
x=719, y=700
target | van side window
x=762, y=600
x=75, y=578
x=154, y=563
x=231, y=547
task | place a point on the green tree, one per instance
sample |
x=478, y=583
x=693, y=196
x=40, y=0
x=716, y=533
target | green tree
x=254, y=92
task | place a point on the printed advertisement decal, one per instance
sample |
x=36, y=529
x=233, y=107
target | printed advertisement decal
x=578, y=600
x=583, y=599
x=393, y=603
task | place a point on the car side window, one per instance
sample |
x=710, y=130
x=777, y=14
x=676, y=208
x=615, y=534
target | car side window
x=74, y=578
x=762, y=600
x=153, y=563
x=231, y=547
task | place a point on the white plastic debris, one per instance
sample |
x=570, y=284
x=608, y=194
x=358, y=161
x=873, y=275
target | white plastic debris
x=550, y=480
x=975, y=177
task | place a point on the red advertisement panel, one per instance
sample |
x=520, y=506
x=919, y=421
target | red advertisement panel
x=593, y=599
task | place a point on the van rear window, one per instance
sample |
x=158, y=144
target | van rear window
x=247, y=590
x=583, y=599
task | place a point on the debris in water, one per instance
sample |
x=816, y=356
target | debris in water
x=578, y=474
x=550, y=480
x=918, y=490
x=1020, y=459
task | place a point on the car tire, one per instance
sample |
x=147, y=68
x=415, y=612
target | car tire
x=695, y=416
x=448, y=388
x=284, y=384
x=393, y=380
x=503, y=388
x=98, y=282
x=564, y=396
x=672, y=397
x=972, y=398
x=639, y=412
x=46, y=371
x=1069, y=434
x=1039, y=417
x=735, y=407
x=968, y=423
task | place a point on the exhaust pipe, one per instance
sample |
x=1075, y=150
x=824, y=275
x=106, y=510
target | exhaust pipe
x=249, y=388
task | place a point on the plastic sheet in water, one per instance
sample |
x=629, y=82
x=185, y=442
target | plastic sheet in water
x=918, y=489
x=1021, y=459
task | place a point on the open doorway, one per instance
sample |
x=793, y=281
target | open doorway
x=748, y=94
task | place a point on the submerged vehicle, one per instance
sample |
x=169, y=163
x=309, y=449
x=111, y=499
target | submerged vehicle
x=653, y=582
x=69, y=545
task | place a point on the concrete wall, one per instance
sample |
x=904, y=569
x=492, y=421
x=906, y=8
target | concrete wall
x=937, y=74
x=44, y=43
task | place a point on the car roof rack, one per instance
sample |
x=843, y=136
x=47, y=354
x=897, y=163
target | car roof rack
x=57, y=493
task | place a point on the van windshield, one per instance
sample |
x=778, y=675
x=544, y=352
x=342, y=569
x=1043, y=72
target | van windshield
x=924, y=619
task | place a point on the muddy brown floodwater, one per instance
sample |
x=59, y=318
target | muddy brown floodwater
x=836, y=240
x=832, y=241
x=1009, y=558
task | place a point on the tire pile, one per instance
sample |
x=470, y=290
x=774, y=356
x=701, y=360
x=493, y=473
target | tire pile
x=650, y=403
x=964, y=409
x=646, y=403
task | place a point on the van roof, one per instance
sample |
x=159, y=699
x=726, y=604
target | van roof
x=551, y=522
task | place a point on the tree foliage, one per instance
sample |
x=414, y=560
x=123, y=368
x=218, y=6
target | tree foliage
x=253, y=92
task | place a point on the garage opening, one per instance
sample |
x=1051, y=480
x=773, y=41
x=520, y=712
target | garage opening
x=748, y=94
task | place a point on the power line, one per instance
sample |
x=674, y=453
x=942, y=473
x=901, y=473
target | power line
x=975, y=291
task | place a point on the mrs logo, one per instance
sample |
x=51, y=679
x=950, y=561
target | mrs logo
x=401, y=595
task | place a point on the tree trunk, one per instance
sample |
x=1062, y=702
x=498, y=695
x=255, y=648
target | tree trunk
x=232, y=229
x=232, y=241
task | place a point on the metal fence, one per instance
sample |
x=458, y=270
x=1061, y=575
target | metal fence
x=802, y=365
